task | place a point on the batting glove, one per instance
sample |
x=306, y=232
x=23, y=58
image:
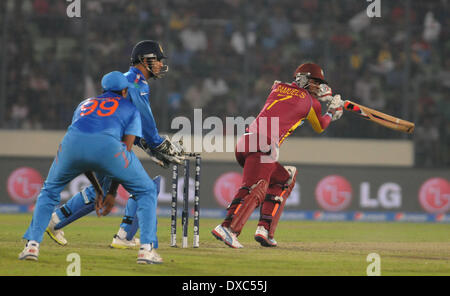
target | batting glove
x=335, y=102
x=325, y=93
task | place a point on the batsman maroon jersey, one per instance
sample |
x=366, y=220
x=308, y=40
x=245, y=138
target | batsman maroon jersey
x=285, y=109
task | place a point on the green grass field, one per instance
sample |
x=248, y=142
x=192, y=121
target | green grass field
x=305, y=248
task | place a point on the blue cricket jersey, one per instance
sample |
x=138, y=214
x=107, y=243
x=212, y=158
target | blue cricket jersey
x=108, y=114
x=139, y=95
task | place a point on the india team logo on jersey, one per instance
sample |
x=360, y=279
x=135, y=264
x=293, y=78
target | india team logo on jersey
x=24, y=185
x=136, y=81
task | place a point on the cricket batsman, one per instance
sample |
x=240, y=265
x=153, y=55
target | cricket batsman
x=99, y=139
x=146, y=62
x=266, y=183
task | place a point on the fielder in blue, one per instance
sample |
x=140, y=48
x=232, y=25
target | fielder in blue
x=146, y=62
x=99, y=139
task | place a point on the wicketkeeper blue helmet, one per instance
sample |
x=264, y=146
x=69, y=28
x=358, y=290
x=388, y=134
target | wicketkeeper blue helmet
x=144, y=52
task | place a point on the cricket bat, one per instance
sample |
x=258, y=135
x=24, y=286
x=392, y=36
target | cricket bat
x=380, y=117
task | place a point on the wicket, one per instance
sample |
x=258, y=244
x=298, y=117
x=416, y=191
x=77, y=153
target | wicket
x=185, y=212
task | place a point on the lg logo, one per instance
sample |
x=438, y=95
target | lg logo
x=389, y=196
x=434, y=195
x=24, y=185
x=334, y=193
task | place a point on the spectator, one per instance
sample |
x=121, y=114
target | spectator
x=444, y=75
x=180, y=57
x=385, y=63
x=427, y=143
x=422, y=51
x=432, y=28
x=174, y=97
x=32, y=123
x=41, y=7
x=38, y=82
x=179, y=19
x=242, y=45
x=280, y=25
x=341, y=40
x=267, y=40
x=215, y=85
x=193, y=38
x=356, y=60
x=19, y=113
x=364, y=88
x=197, y=96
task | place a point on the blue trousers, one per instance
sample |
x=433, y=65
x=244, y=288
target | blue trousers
x=82, y=204
x=80, y=152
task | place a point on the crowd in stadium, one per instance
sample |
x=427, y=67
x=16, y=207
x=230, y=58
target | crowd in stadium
x=225, y=55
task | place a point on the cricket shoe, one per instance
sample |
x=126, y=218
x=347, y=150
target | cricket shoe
x=30, y=252
x=227, y=236
x=262, y=237
x=148, y=257
x=118, y=243
x=56, y=234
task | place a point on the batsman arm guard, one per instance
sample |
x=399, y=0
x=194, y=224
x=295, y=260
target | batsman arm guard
x=243, y=212
x=318, y=121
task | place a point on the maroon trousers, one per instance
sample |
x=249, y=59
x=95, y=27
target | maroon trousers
x=257, y=168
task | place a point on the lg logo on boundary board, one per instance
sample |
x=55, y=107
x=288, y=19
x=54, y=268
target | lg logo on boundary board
x=334, y=193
